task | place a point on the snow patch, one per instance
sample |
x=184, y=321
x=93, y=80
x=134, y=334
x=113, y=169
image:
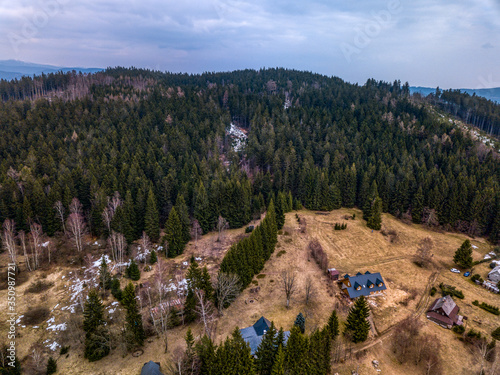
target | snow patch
x=238, y=136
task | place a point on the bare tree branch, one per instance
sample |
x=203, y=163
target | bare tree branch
x=288, y=284
x=226, y=287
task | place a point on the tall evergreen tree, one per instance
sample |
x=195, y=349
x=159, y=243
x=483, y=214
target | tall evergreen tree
x=280, y=210
x=182, y=211
x=133, y=328
x=332, y=326
x=152, y=218
x=267, y=351
x=202, y=208
x=300, y=322
x=97, y=343
x=104, y=275
x=417, y=206
x=463, y=255
x=174, y=234
x=357, y=325
x=375, y=219
x=296, y=353
x=279, y=362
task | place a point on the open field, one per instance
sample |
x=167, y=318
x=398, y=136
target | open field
x=356, y=249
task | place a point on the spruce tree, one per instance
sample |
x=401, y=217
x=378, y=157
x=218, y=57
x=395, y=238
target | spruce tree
x=333, y=325
x=300, y=322
x=133, y=271
x=182, y=211
x=357, y=325
x=134, y=329
x=266, y=352
x=174, y=234
x=463, y=255
x=375, y=219
x=51, y=366
x=417, y=206
x=153, y=258
x=115, y=288
x=279, y=362
x=296, y=353
x=129, y=217
x=202, y=208
x=104, y=276
x=152, y=218
x=96, y=334
x=280, y=210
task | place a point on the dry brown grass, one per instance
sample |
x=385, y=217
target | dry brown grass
x=352, y=250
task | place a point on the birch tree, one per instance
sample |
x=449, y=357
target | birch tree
x=226, y=288
x=76, y=224
x=288, y=285
x=8, y=239
x=59, y=207
x=118, y=245
x=35, y=241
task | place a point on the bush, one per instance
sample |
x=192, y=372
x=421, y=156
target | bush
x=64, y=350
x=249, y=229
x=153, y=258
x=433, y=291
x=39, y=286
x=458, y=329
x=450, y=290
x=493, y=265
x=475, y=277
x=280, y=253
x=490, y=308
x=115, y=288
x=36, y=316
x=496, y=334
x=473, y=334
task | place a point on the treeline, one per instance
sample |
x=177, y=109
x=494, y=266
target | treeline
x=164, y=134
x=476, y=110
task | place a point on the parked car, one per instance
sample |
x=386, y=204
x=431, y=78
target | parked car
x=467, y=274
x=454, y=270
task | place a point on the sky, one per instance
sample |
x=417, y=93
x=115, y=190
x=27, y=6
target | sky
x=446, y=43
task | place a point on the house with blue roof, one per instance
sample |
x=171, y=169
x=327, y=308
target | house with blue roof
x=253, y=335
x=366, y=284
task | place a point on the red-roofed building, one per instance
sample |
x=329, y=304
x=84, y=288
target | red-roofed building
x=444, y=311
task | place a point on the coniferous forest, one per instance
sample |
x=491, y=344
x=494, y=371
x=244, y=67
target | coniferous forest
x=140, y=143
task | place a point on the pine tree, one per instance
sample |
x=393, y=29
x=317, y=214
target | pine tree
x=104, y=276
x=152, y=218
x=174, y=234
x=375, y=219
x=300, y=322
x=133, y=271
x=182, y=211
x=51, y=366
x=279, y=362
x=266, y=352
x=463, y=255
x=96, y=334
x=115, y=288
x=153, y=258
x=280, y=210
x=357, y=325
x=296, y=353
x=333, y=325
x=129, y=217
x=417, y=206
x=202, y=208
x=134, y=329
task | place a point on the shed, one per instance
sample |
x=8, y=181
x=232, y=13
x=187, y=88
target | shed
x=333, y=274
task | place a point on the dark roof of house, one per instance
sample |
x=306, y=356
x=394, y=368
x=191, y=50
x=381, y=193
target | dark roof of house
x=151, y=368
x=253, y=334
x=261, y=326
x=447, y=305
x=365, y=280
x=441, y=318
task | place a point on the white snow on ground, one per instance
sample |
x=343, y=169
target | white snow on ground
x=57, y=327
x=238, y=136
x=474, y=246
x=198, y=259
x=490, y=255
x=18, y=320
x=97, y=263
x=45, y=244
x=141, y=254
x=53, y=346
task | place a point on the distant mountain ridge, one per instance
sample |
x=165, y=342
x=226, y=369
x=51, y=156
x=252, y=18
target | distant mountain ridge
x=12, y=69
x=492, y=94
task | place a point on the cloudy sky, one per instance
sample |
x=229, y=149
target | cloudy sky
x=448, y=43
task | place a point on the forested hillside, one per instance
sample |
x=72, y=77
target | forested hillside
x=157, y=140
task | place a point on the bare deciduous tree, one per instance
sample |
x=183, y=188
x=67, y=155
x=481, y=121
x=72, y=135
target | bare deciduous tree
x=288, y=284
x=429, y=217
x=118, y=244
x=145, y=244
x=8, y=239
x=423, y=254
x=59, y=207
x=222, y=225
x=196, y=232
x=226, y=288
x=76, y=224
x=309, y=289
x=22, y=240
x=35, y=241
x=205, y=311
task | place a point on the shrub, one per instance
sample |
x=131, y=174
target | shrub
x=475, y=302
x=39, y=286
x=280, y=253
x=36, y=315
x=64, y=350
x=473, y=334
x=261, y=276
x=115, y=288
x=133, y=271
x=496, y=334
x=475, y=277
x=493, y=264
x=458, y=329
x=451, y=290
x=490, y=308
x=153, y=258
x=433, y=291
x=249, y=229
